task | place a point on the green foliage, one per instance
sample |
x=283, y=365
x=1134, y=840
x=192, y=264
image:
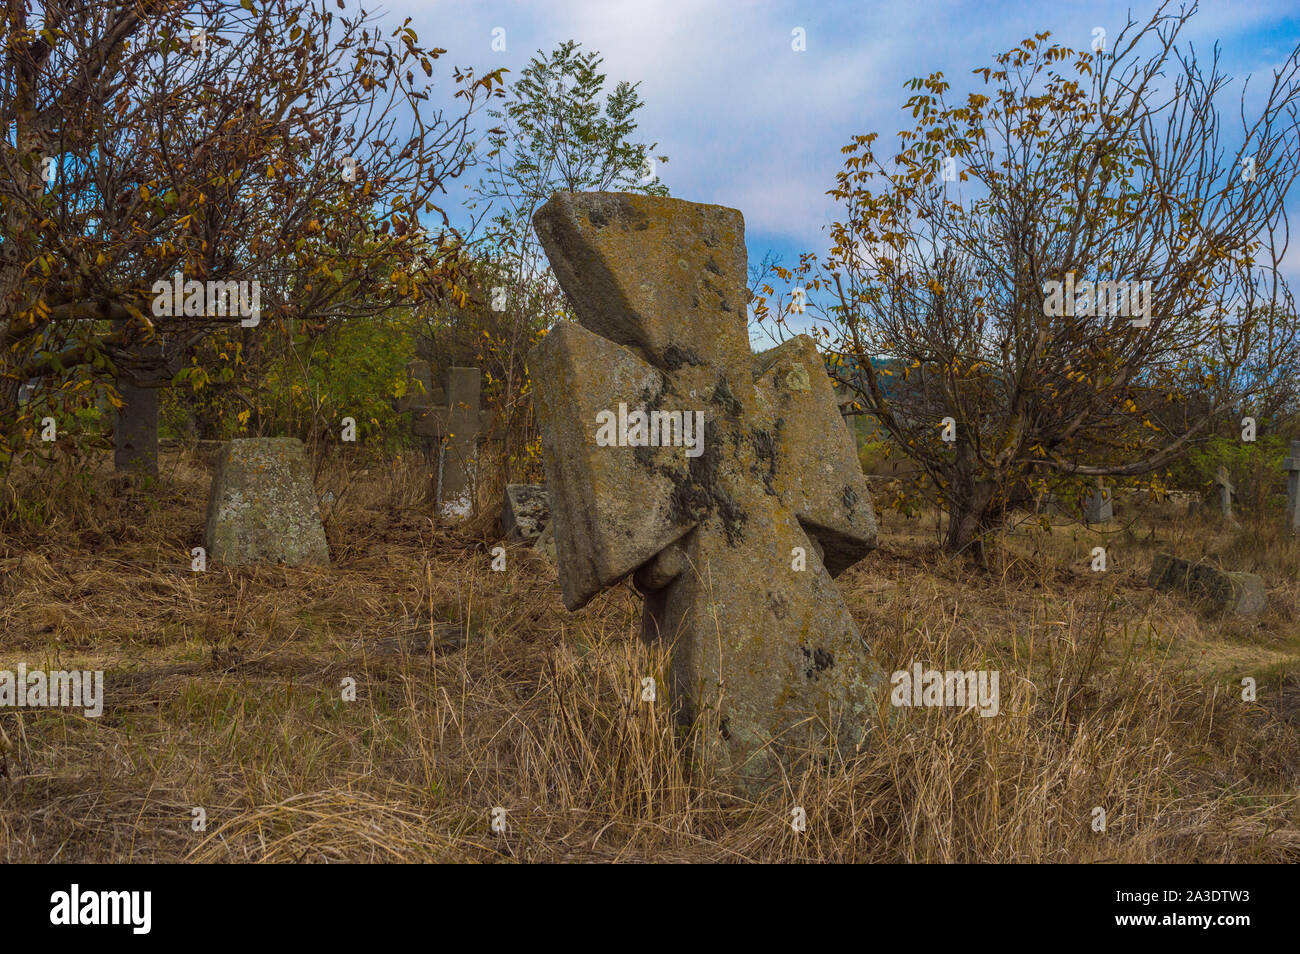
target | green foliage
x=304, y=386
x=555, y=134
x=1255, y=469
x=872, y=455
x=354, y=371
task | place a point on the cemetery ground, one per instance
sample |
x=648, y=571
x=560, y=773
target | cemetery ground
x=475, y=689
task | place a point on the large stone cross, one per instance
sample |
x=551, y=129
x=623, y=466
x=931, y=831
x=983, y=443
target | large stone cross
x=734, y=541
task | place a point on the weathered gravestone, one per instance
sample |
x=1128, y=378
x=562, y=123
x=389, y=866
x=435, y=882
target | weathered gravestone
x=733, y=529
x=1292, y=465
x=455, y=427
x=263, y=507
x=144, y=363
x=1226, y=491
x=135, y=429
x=525, y=511
x=1099, y=506
x=1237, y=592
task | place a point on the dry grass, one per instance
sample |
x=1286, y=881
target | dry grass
x=476, y=690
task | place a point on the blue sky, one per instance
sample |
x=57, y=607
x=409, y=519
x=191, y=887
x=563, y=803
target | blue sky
x=748, y=122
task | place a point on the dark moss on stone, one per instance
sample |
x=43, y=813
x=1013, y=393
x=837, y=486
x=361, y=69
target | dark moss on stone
x=819, y=660
x=723, y=397
x=850, y=498
x=699, y=492
x=675, y=357
x=764, y=443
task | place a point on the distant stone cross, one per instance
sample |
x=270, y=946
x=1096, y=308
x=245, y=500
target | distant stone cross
x=456, y=427
x=1292, y=465
x=734, y=544
x=1099, y=506
x=1226, y=490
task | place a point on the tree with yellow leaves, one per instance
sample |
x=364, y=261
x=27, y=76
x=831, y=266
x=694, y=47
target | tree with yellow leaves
x=1074, y=271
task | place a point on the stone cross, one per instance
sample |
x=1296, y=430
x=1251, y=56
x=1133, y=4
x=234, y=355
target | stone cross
x=1226, y=490
x=732, y=531
x=1292, y=466
x=455, y=426
x=143, y=368
x=1099, y=507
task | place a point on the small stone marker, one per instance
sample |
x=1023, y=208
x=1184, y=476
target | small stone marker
x=456, y=426
x=525, y=512
x=1292, y=466
x=545, y=543
x=717, y=517
x=1237, y=592
x=1226, y=490
x=1098, y=507
x=263, y=508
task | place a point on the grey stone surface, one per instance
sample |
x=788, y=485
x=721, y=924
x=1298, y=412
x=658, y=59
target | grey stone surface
x=545, y=543
x=262, y=507
x=1098, y=506
x=525, y=511
x=1226, y=491
x=766, y=657
x=1292, y=467
x=1236, y=592
x=135, y=430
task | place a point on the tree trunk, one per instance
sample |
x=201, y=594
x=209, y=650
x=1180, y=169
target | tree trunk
x=135, y=437
x=971, y=517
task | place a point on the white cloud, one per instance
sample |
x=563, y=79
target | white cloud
x=750, y=123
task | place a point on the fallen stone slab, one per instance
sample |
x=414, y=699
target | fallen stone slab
x=262, y=507
x=1234, y=591
x=525, y=511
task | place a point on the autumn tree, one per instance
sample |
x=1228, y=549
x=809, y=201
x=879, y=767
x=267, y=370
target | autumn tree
x=267, y=141
x=1075, y=270
x=562, y=127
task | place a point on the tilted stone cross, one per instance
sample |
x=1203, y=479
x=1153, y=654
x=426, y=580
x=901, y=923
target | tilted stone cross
x=734, y=544
x=1292, y=466
x=456, y=427
x=1226, y=490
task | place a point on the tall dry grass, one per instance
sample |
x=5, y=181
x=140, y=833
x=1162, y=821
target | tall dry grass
x=476, y=690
